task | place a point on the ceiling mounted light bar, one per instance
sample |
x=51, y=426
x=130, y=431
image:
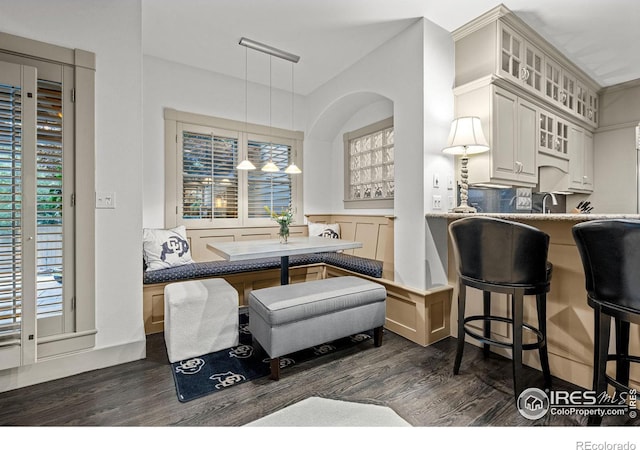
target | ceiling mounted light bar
x=264, y=48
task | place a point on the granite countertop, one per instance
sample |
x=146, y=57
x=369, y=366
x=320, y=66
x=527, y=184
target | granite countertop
x=535, y=216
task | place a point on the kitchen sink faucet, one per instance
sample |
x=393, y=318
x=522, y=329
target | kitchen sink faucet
x=554, y=202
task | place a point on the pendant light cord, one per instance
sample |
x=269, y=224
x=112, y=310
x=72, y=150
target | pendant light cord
x=246, y=91
x=270, y=131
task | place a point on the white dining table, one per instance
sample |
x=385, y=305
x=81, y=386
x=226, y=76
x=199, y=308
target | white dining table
x=265, y=248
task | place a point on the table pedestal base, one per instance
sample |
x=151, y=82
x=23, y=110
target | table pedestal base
x=284, y=270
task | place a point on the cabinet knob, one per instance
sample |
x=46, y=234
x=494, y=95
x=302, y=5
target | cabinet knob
x=524, y=74
x=519, y=167
x=590, y=113
x=563, y=96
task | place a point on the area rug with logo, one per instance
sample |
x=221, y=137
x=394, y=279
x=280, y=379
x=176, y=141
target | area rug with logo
x=223, y=369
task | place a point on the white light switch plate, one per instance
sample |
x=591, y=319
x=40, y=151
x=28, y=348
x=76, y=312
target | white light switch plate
x=105, y=200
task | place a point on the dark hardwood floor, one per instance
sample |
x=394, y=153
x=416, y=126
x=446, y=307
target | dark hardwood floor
x=416, y=382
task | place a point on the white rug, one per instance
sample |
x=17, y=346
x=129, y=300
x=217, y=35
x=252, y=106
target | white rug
x=322, y=412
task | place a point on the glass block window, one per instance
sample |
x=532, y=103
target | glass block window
x=369, y=160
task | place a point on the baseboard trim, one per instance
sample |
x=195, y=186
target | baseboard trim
x=71, y=364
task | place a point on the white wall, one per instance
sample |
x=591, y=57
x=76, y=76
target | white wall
x=615, y=159
x=112, y=30
x=184, y=88
x=414, y=70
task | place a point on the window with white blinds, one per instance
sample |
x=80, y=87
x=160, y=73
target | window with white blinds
x=268, y=188
x=10, y=213
x=209, y=180
x=203, y=187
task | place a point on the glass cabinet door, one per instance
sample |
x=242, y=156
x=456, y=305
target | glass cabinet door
x=510, y=54
x=547, y=128
x=552, y=80
x=533, y=68
x=568, y=93
x=561, y=143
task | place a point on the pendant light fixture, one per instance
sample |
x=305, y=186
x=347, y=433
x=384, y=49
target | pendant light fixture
x=292, y=169
x=272, y=51
x=245, y=164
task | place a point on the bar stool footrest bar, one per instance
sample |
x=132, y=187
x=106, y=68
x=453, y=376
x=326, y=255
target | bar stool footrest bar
x=541, y=342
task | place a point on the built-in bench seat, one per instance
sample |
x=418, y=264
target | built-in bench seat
x=208, y=269
x=419, y=315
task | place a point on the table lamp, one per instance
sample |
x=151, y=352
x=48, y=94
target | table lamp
x=466, y=138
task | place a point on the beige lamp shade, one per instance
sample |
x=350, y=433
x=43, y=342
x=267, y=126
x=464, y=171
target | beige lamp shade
x=466, y=137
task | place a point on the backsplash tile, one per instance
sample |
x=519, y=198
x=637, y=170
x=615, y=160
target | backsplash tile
x=511, y=200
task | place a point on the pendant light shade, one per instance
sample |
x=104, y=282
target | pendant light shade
x=270, y=167
x=246, y=165
x=292, y=169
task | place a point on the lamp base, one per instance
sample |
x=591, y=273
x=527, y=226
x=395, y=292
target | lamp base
x=464, y=209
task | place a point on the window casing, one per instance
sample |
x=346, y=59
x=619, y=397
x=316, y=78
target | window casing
x=369, y=166
x=203, y=187
x=47, y=301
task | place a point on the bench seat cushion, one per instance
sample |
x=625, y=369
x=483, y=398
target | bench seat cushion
x=221, y=268
x=365, y=266
x=209, y=269
x=280, y=305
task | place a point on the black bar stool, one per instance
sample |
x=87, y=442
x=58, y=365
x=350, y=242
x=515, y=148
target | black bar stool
x=496, y=255
x=610, y=252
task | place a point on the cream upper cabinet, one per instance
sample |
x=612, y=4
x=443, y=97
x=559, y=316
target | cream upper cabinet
x=537, y=107
x=580, y=160
x=511, y=127
x=501, y=47
x=519, y=60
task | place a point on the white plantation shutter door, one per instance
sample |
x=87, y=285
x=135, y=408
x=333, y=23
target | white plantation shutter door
x=17, y=215
x=271, y=189
x=209, y=176
x=50, y=194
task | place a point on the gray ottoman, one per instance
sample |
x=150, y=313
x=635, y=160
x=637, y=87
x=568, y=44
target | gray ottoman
x=292, y=317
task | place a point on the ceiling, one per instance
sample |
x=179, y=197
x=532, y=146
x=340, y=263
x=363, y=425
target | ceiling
x=329, y=35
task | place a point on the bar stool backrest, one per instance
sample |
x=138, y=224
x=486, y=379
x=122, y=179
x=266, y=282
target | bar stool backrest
x=498, y=251
x=610, y=252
